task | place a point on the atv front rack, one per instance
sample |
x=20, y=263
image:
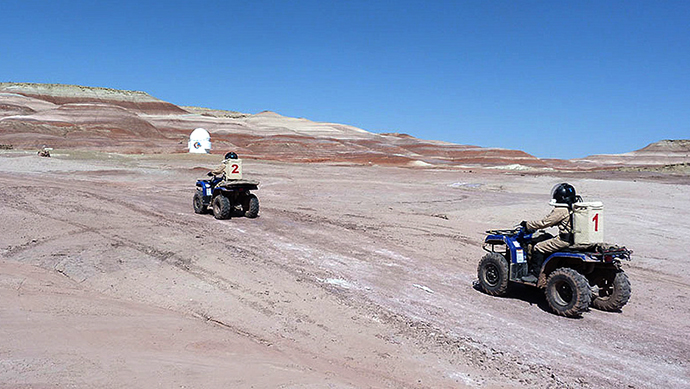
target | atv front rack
x=507, y=232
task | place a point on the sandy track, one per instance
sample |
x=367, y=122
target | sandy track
x=351, y=277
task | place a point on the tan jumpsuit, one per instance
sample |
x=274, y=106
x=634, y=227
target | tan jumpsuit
x=560, y=216
x=220, y=169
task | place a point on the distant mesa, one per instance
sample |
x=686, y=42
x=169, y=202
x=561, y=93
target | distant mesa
x=397, y=135
x=268, y=114
x=72, y=116
x=218, y=113
x=64, y=94
x=665, y=153
x=668, y=145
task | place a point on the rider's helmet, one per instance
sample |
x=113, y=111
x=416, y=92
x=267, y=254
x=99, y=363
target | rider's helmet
x=564, y=193
x=231, y=155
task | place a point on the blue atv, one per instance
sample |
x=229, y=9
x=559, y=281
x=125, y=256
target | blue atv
x=573, y=279
x=226, y=197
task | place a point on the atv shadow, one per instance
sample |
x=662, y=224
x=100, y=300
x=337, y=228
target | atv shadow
x=526, y=293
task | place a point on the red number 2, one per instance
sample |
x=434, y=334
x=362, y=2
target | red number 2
x=595, y=219
x=235, y=169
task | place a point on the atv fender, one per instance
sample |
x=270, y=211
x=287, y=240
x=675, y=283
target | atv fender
x=580, y=261
x=206, y=189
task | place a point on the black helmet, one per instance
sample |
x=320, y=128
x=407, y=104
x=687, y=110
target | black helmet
x=564, y=193
x=231, y=155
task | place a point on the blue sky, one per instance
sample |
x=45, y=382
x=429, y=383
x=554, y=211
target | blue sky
x=556, y=79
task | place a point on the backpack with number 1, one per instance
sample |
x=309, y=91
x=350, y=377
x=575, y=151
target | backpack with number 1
x=588, y=222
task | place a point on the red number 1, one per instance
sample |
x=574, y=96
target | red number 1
x=595, y=219
x=235, y=169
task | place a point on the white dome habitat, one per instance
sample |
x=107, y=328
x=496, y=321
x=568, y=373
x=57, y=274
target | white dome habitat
x=199, y=141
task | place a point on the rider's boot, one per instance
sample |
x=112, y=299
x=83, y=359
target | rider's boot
x=531, y=278
x=535, y=262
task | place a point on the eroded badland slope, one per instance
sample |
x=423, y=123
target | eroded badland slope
x=353, y=275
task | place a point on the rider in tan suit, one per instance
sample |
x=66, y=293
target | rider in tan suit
x=221, y=169
x=563, y=196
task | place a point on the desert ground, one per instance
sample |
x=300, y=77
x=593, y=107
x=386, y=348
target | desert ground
x=353, y=276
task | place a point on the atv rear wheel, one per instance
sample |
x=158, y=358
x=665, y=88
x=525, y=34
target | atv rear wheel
x=493, y=274
x=614, y=291
x=198, y=203
x=222, y=207
x=250, y=206
x=568, y=292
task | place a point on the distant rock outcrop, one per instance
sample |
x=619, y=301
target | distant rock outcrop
x=678, y=146
x=70, y=116
x=667, y=152
x=65, y=94
x=216, y=113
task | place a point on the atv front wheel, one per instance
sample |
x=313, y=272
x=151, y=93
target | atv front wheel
x=568, y=292
x=222, y=208
x=614, y=292
x=493, y=274
x=250, y=206
x=198, y=203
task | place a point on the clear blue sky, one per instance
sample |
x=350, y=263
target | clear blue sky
x=558, y=79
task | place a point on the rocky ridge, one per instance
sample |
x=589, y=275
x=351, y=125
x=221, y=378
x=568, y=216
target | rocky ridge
x=71, y=116
x=668, y=154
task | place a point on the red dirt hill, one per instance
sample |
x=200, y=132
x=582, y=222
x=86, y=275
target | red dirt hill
x=70, y=116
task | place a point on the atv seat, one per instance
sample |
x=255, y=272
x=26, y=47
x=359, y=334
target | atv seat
x=580, y=248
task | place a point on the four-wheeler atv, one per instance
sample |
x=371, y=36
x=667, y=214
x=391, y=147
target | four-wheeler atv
x=226, y=197
x=573, y=279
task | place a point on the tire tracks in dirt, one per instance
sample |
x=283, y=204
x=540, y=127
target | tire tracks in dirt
x=164, y=256
x=456, y=350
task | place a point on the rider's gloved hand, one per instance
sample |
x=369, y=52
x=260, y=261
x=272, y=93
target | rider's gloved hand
x=210, y=174
x=523, y=224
